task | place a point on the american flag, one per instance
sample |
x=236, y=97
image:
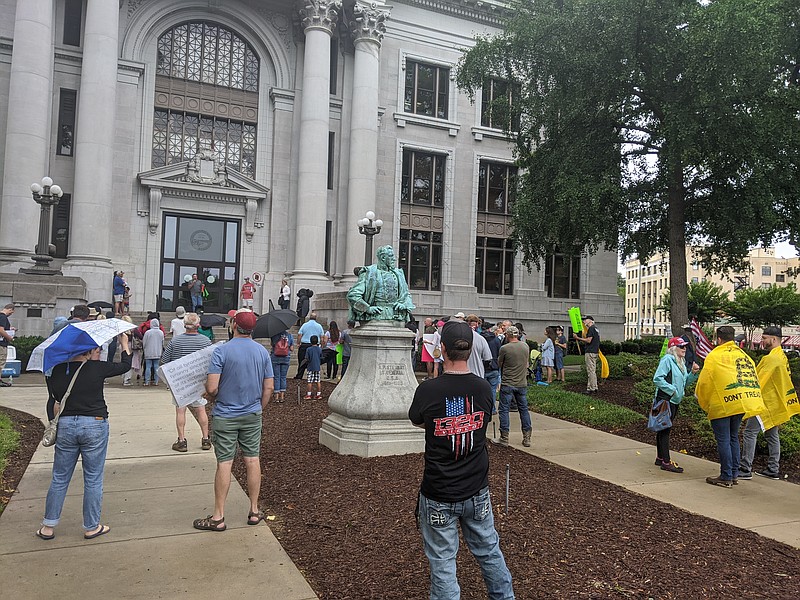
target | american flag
x=702, y=345
x=461, y=439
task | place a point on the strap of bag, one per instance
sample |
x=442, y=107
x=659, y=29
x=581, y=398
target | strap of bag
x=68, y=392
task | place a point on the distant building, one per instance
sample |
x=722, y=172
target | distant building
x=646, y=283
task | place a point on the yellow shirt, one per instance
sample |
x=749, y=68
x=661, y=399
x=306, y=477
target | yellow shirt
x=777, y=389
x=728, y=384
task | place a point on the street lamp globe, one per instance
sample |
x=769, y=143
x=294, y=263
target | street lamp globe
x=36, y=188
x=46, y=182
x=56, y=190
x=378, y=223
x=370, y=215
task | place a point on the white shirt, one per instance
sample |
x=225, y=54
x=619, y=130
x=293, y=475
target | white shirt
x=286, y=292
x=176, y=327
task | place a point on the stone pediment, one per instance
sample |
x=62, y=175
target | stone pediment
x=203, y=178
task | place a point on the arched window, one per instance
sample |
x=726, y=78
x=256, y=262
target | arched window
x=206, y=96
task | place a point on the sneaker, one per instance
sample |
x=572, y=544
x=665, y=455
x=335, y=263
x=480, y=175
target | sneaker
x=308, y=396
x=769, y=475
x=319, y=396
x=671, y=466
x=180, y=446
x=127, y=384
x=744, y=475
x=205, y=444
x=659, y=461
x=720, y=482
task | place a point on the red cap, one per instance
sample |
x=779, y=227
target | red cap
x=232, y=312
x=245, y=320
x=677, y=341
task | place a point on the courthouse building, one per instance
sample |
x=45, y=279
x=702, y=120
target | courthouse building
x=236, y=137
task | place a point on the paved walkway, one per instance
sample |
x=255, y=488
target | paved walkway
x=152, y=494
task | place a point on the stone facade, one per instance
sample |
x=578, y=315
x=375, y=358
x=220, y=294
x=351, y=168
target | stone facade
x=326, y=74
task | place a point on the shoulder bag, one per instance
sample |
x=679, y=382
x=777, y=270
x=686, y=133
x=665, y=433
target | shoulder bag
x=659, y=417
x=51, y=431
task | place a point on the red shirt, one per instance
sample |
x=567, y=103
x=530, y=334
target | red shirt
x=248, y=289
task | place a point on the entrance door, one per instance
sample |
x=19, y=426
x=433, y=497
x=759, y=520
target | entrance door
x=207, y=247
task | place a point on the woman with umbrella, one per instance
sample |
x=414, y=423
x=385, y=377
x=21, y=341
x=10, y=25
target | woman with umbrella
x=82, y=431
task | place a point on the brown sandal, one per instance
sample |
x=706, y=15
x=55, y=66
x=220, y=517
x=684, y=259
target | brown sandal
x=255, y=515
x=209, y=524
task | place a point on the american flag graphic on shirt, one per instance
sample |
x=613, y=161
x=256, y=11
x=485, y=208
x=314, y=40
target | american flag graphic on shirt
x=459, y=424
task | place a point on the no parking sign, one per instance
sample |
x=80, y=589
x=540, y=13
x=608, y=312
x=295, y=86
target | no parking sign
x=257, y=278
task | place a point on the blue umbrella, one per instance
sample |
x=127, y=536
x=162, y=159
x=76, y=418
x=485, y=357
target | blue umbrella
x=74, y=339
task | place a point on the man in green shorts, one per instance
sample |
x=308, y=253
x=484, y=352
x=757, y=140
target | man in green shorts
x=240, y=380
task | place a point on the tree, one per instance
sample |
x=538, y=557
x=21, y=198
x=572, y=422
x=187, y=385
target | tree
x=759, y=307
x=706, y=302
x=620, y=286
x=645, y=124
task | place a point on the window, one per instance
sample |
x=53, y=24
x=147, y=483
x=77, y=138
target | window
x=60, y=235
x=496, y=187
x=766, y=271
x=497, y=101
x=427, y=90
x=328, y=238
x=494, y=266
x=178, y=136
x=334, y=65
x=331, y=141
x=423, y=178
x=562, y=275
x=207, y=53
x=66, y=122
x=695, y=280
x=695, y=266
x=421, y=258
x=780, y=278
x=73, y=10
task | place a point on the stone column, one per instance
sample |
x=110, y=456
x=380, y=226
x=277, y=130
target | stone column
x=319, y=19
x=27, y=147
x=93, y=191
x=367, y=28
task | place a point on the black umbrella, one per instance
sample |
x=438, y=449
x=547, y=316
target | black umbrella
x=210, y=320
x=274, y=322
x=100, y=304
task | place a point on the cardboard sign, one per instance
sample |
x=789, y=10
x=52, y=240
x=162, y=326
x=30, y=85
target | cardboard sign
x=186, y=377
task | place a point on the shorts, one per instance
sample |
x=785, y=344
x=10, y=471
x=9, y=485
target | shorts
x=195, y=404
x=118, y=297
x=312, y=376
x=244, y=430
x=559, y=361
x=247, y=302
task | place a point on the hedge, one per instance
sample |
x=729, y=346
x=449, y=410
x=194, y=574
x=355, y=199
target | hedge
x=25, y=345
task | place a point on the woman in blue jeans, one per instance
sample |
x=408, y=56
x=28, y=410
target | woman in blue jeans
x=281, y=343
x=82, y=432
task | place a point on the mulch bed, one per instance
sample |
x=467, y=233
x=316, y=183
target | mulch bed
x=31, y=430
x=348, y=524
x=683, y=435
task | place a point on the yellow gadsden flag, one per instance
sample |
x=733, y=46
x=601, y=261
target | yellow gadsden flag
x=777, y=389
x=728, y=384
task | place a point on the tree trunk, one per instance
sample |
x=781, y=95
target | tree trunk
x=676, y=215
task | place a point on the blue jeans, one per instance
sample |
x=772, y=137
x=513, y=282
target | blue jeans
x=280, y=366
x=438, y=524
x=86, y=437
x=197, y=300
x=726, y=432
x=519, y=395
x=151, y=364
x=345, y=362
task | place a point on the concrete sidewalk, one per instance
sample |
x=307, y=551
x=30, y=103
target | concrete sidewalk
x=769, y=508
x=152, y=494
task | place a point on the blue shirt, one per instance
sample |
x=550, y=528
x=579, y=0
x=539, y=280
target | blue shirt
x=680, y=378
x=242, y=365
x=314, y=354
x=119, y=285
x=308, y=329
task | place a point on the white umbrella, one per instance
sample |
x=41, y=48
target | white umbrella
x=74, y=339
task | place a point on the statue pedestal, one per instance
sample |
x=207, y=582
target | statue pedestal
x=370, y=405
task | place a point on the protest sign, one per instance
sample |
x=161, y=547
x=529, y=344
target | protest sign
x=186, y=377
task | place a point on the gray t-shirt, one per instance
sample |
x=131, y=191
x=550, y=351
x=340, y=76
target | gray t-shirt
x=346, y=341
x=513, y=361
x=480, y=352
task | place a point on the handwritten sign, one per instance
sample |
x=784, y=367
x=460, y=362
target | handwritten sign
x=186, y=377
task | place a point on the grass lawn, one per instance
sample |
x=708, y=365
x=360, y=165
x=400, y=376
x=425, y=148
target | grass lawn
x=9, y=439
x=579, y=408
x=573, y=359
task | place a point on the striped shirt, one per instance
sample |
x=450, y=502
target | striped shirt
x=183, y=345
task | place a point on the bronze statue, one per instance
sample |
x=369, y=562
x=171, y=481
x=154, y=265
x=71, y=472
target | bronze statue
x=381, y=292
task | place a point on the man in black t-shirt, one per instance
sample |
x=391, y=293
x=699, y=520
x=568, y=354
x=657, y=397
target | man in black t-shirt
x=6, y=336
x=592, y=341
x=455, y=410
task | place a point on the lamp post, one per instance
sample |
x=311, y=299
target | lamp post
x=45, y=195
x=370, y=227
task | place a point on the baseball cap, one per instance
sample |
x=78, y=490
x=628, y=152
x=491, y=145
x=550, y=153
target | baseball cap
x=677, y=341
x=245, y=320
x=459, y=315
x=454, y=331
x=772, y=330
x=512, y=331
x=588, y=318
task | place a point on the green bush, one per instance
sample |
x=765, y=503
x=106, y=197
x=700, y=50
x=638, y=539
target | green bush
x=579, y=408
x=644, y=391
x=691, y=410
x=631, y=365
x=25, y=345
x=631, y=347
x=651, y=344
x=609, y=348
x=790, y=438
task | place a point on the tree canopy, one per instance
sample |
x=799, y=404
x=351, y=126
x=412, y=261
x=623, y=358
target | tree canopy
x=645, y=124
x=759, y=307
x=707, y=302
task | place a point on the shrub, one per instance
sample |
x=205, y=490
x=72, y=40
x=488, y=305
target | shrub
x=580, y=408
x=609, y=348
x=651, y=344
x=644, y=391
x=25, y=345
x=630, y=347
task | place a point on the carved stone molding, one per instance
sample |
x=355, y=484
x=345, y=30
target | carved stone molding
x=368, y=23
x=206, y=168
x=155, y=209
x=320, y=14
